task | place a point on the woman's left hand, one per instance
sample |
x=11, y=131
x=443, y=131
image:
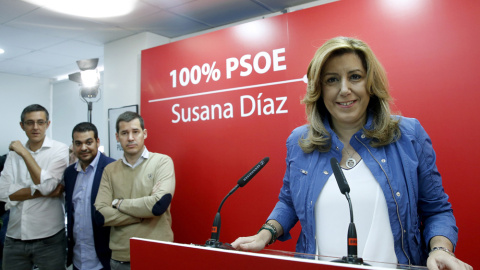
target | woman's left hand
x=440, y=260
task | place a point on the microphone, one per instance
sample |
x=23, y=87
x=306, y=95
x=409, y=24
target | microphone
x=213, y=241
x=352, y=257
x=250, y=174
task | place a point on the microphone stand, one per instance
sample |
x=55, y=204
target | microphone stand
x=217, y=222
x=213, y=241
x=352, y=257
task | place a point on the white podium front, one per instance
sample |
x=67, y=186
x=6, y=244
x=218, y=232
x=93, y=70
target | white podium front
x=150, y=254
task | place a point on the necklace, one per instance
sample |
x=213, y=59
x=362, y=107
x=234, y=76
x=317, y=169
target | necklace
x=351, y=162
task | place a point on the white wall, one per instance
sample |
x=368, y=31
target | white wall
x=122, y=60
x=120, y=87
x=17, y=92
x=70, y=109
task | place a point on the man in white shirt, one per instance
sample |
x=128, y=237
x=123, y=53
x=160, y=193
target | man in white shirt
x=29, y=184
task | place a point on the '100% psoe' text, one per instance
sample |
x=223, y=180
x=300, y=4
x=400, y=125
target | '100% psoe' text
x=261, y=63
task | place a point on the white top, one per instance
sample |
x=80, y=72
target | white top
x=370, y=213
x=40, y=217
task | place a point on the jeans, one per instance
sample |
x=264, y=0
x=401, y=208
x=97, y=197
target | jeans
x=47, y=253
x=3, y=232
x=116, y=265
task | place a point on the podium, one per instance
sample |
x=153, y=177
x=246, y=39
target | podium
x=151, y=254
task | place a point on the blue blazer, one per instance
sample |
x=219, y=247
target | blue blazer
x=101, y=235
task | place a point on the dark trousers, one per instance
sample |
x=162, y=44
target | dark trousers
x=46, y=253
x=3, y=233
x=117, y=265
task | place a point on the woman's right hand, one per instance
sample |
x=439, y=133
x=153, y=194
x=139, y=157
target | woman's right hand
x=253, y=243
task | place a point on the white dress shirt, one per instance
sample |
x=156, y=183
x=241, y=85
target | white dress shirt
x=139, y=160
x=40, y=217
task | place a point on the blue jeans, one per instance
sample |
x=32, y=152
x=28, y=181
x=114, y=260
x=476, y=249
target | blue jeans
x=3, y=232
x=47, y=253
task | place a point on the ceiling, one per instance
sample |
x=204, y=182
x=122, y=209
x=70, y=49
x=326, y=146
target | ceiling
x=42, y=43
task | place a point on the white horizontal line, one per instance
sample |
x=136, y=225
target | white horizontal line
x=226, y=90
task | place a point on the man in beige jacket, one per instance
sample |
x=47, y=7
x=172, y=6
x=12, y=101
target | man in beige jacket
x=135, y=192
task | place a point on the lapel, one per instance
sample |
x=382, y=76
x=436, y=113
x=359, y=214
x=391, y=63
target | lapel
x=72, y=176
x=98, y=176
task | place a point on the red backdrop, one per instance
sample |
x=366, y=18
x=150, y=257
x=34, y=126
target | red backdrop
x=428, y=47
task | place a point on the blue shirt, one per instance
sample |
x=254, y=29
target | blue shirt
x=84, y=255
x=418, y=207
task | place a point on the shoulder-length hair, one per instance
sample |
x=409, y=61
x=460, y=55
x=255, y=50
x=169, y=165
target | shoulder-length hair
x=384, y=130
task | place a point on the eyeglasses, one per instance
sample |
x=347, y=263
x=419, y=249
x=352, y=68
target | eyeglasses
x=31, y=123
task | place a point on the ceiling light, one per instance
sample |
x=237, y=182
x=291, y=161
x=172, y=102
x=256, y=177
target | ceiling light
x=2, y=50
x=88, y=8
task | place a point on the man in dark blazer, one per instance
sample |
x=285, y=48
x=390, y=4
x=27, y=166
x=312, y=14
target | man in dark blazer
x=87, y=243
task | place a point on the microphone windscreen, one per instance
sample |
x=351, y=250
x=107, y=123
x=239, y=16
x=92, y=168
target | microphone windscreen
x=339, y=176
x=250, y=174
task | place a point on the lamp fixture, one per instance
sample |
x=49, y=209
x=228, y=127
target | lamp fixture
x=89, y=81
x=88, y=77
